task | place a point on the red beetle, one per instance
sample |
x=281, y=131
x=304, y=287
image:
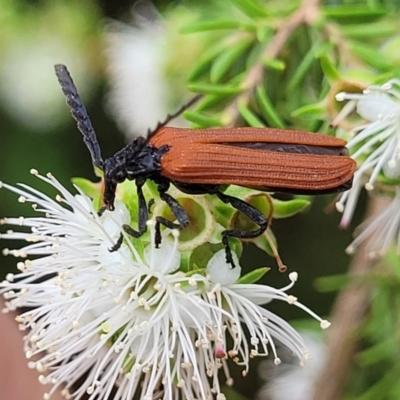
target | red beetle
x=199, y=161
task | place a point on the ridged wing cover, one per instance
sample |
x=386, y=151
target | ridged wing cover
x=168, y=135
x=198, y=157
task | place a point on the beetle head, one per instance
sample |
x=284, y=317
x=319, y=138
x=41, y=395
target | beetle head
x=113, y=170
x=116, y=168
x=137, y=160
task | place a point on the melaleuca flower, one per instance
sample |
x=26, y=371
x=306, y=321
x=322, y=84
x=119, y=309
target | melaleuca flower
x=234, y=302
x=138, y=92
x=381, y=230
x=131, y=322
x=302, y=380
x=374, y=144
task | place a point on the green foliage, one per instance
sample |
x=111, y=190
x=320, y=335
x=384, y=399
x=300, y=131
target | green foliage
x=90, y=189
x=285, y=209
x=260, y=64
x=253, y=276
x=378, y=363
x=256, y=65
x=292, y=78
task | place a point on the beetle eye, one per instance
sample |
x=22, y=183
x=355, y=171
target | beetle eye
x=119, y=177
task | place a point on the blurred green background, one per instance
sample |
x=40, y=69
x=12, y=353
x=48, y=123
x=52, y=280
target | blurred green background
x=37, y=130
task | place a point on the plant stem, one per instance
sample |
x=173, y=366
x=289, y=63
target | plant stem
x=308, y=13
x=349, y=312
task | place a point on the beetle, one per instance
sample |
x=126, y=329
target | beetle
x=200, y=161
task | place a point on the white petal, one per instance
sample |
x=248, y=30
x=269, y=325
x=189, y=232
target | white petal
x=165, y=259
x=222, y=272
x=112, y=221
x=374, y=106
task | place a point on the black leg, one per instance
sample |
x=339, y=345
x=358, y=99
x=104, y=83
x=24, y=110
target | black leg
x=101, y=210
x=176, y=208
x=117, y=245
x=142, y=214
x=142, y=218
x=150, y=204
x=248, y=210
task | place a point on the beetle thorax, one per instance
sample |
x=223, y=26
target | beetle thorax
x=136, y=160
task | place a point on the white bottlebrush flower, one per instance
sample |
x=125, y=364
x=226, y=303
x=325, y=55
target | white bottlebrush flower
x=234, y=302
x=381, y=230
x=106, y=318
x=137, y=95
x=130, y=322
x=375, y=144
x=302, y=380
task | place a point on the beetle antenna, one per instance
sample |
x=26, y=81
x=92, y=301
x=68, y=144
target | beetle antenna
x=170, y=117
x=79, y=113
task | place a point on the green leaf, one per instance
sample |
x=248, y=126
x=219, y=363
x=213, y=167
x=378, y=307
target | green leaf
x=201, y=255
x=271, y=115
x=232, y=394
x=216, y=25
x=332, y=283
x=205, y=61
x=90, y=188
x=251, y=8
x=209, y=101
x=354, y=12
x=371, y=56
x=388, y=181
x=151, y=188
x=391, y=50
x=392, y=259
x=376, y=353
x=267, y=243
x=255, y=54
x=285, y=209
x=249, y=116
x=365, y=31
x=185, y=260
x=225, y=61
x=301, y=71
x=264, y=32
x=253, y=276
x=201, y=68
x=214, y=89
x=223, y=216
x=310, y=111
x=323, y=49
x=380, y=388
x=202, y=120
x=329, y=68
x=274, y=64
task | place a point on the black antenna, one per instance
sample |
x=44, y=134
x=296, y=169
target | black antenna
x=170, y=117
x=79, y=113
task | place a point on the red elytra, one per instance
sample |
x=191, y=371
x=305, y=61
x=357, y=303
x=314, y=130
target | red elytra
x=264, y=158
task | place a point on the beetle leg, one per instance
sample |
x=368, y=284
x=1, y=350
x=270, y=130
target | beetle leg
x=101, y=210
x=248, y=210
x=143, y=214
x=142, y=218
x=117, y=245
x=176, y=208
x=150, y=204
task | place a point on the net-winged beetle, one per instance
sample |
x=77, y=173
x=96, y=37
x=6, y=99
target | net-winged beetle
x=199, y=161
